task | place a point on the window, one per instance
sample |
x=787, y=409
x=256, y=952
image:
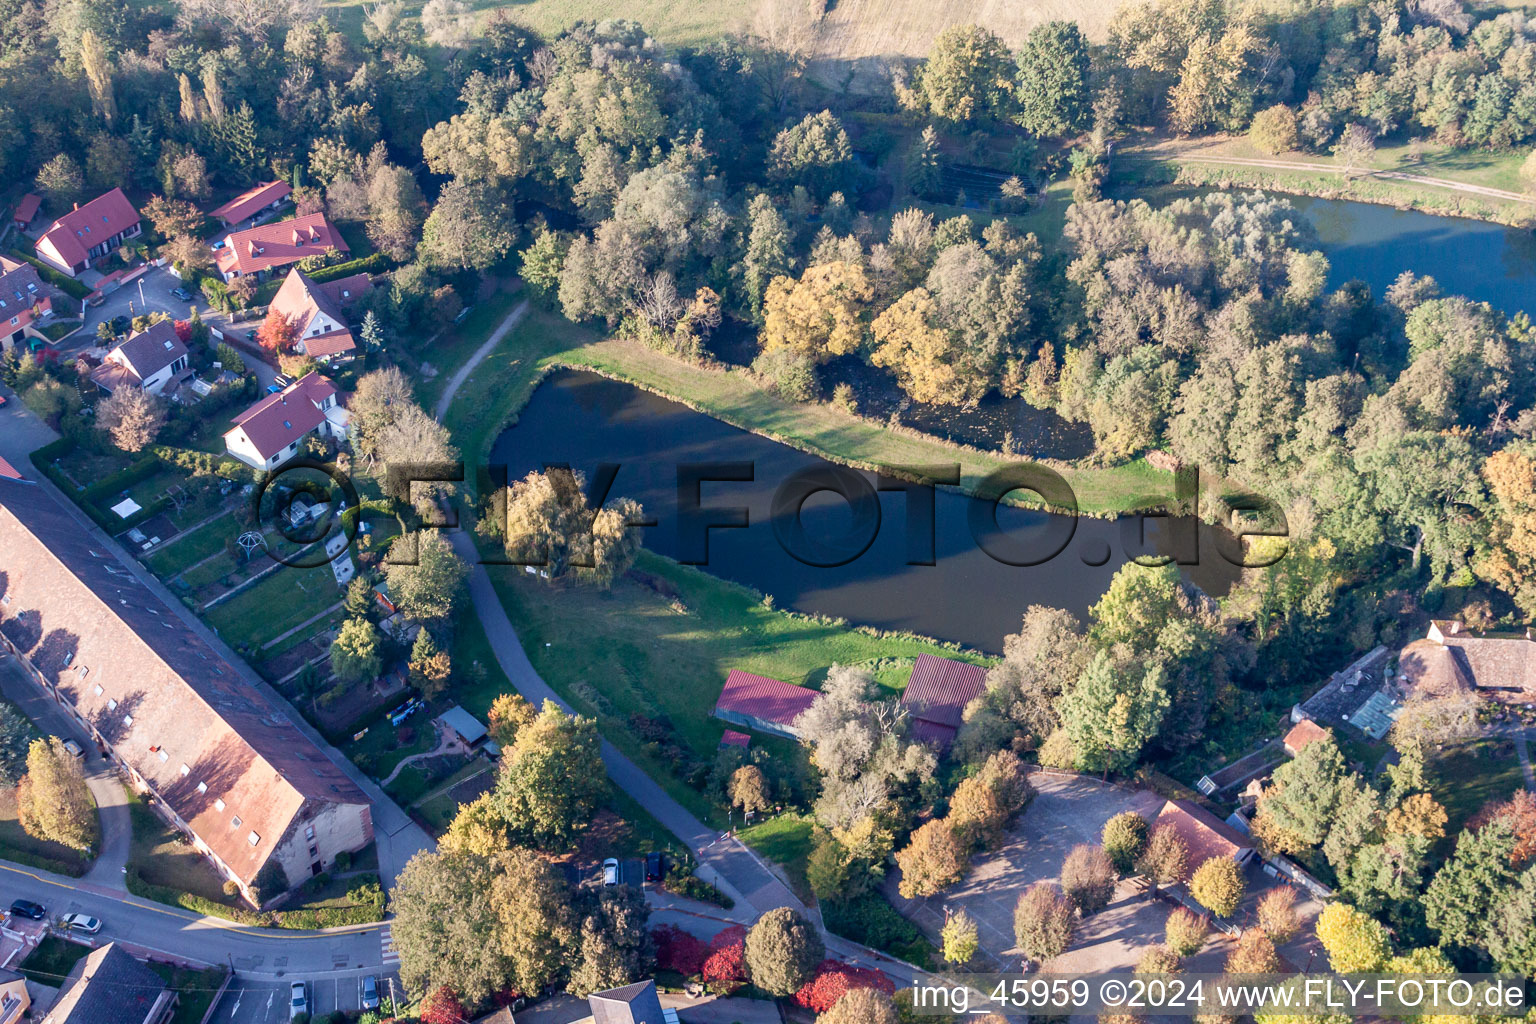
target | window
x=253, y=838
x=164, y=757
x=82, y=671
x=98, y=689
x=111, y=704
x=69, y=658
x=234, y=822
x=202, y=787
x=186, y=770
x=218, y=805
x=314, y=851
x=309, y=833
x=127, y=719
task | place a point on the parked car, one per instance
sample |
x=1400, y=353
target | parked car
x=182, y=294
x=73, y=749
x=654, y=866
x=611, y=871
x=273, y=389
x=300, y=1001
x=81, y=923
x=369, y=993
x=250, y=335
x=36, y=911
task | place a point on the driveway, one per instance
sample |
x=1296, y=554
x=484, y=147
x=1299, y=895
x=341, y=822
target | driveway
x=149, y=293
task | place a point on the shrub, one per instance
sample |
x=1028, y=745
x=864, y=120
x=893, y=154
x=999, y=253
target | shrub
x=1088, y=878
x=1043, y=921
x=1158, y=960
x=441, y=1006
x=231, y=888
x=834, y=979
x=1218, y=885
x=1124, y=838
x=1274, y=130
x=680, y=951
x=1186, y=932
x=792, y=377
x=727, y=959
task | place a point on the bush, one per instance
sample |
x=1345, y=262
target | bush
x=727, y=959
x=343, y=860
x=1158, y=960
x=231, y=888
x=1186, y=932
x=1274, y=130
x=371, y=264
x=834, y=979
x=63, y=282
x=871, y=921
x=680, y=951
x=1125, y=839
x=790, y=376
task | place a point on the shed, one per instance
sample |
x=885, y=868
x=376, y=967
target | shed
x=732, y=738
x=464, y=725
x=1302, y=733
x=767, y=705
x=26, y=211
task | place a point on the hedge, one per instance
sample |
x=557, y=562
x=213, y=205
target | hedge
x=368, y=909
x=63, y=282
x=367, y=264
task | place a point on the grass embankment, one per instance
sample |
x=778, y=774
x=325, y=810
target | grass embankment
x=785, y=840
x=50, y=961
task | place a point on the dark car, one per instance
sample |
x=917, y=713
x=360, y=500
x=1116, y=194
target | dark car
x=182, y=294
x=26, y=908
x=653, y=867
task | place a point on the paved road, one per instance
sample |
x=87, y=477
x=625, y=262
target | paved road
x=266, y=1002
x=150, y=293
x=397, y=836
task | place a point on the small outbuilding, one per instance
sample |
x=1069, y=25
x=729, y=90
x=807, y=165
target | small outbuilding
x=464, y=725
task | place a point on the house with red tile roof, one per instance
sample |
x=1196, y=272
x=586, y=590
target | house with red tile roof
x=88, y=233
x=252, y=203
x=1303, y=733
x=149, y=360
x=936, y=695
x=764, y=704
x=219, y=761
x=273, y=430
x=317, y=311
x=258, y=251
x=26, y=302
x=1204, y=835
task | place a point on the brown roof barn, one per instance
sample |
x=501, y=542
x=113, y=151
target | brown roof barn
x=936, y=695
x=764, y=704
x=1205, y=836
x=226, y=764
x=1450, y=660
x=251, y=202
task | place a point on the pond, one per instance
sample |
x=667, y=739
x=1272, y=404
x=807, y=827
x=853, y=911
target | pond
x=1486, y=262
x=584, y=420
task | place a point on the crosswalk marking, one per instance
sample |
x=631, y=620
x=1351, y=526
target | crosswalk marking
x=387, y=946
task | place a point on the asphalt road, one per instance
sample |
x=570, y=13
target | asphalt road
x=150, y=293
x=252, y=1002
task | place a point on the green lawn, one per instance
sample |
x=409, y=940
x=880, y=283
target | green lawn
x=49, y=963
x=1469, y=775
x=785, y=840
x=17, y=846
x=632, y=651
x=381, y=749
x=459, y=341
x=278, y=603
x=161, y=856
x=671, y=21
x=189, y=548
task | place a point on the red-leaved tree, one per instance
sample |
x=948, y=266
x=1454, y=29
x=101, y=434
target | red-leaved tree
x=677, y=950
x=183, y=330
x=727, y=960
x=442, y=1007
x=834, y=979
x=277, y=333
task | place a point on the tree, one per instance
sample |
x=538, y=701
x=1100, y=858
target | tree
x=932, y=861
x=509, y=713
x=548, y=522
x=1356, y=942
x=1467, y=888
x=966, y=75
x=61, y=181
x=1528, y=173
x=1186, y=932
x=467, y=229
x=1052, y=85
x=1253, y=954
x=355, y=653
x=1112, y=711
x=782, y=951
x=278, y=333
x=1277, y=914
x=396, y=207
x=1273, y=130
x=959, y=938
x=1355, y=148
x=768, y=250
x=15, y=743
x=1296, y=811
x=1158, y=960
x=1125, y=839
x=835, y=979
x=923, y=175
x=1419, y=815
x=821, y=315
x=748, y=789
x=814, y=153
x=552, y=780
x=478, y=828
x=1218, y=886
x=613, y=949
x=172, y=217
x=370, y=333
x=1044, y=920
x=430, y=587
x=359, y=601
x=1519, y=813
x=1088, y=878
x=541, y=264
x=448, y=23
x=444, y=906
x=536, y=924
x=1166, y=859
x=132, y=418
x=430, y=666
x=861, y=1006
x=189, y=253
x=829, y=869
x=53, y=801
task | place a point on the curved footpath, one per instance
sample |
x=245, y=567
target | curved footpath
x=1298, y=165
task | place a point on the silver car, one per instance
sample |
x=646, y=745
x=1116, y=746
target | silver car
x=299, y=1003
x=80, y=923
x=368, y=992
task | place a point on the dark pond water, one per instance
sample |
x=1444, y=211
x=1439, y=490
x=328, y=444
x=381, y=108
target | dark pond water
x=584, y=420
x=1487, y=262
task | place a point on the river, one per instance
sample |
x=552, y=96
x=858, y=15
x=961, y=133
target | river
x=584, y=420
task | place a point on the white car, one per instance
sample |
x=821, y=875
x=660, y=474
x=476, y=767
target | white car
x=611, y=871
x=81, y=923
x=299, y=1003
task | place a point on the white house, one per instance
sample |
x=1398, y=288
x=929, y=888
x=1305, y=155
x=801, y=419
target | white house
x=316, y=311
x=273, y=430
x=149, y=360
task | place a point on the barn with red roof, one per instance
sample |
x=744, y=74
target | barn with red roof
x=936, y=695
x=767, y=705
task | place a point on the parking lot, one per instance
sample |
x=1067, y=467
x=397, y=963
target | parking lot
x=149, y=293
x=266, y=1002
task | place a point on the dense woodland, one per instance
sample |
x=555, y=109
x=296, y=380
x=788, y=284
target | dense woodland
x=672, y=196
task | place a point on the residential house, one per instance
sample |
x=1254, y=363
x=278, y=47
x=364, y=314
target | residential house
x=256, y=252
x=252, y=203
x=630, y=1004
x=1204, y=835
x=316, y=311
x=108, y=986
x=14, y=997
x=149, y=360
x=1303, y=733
x=936, y=695
x=465, y=726
x=1451, y=660
x=764, y=704
x=25, y=303
x=25, y=211
x=88, y=233
x=216, y=758
x=273, y=430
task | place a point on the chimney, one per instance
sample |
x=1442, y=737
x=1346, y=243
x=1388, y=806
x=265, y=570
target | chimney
x=77, y=206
